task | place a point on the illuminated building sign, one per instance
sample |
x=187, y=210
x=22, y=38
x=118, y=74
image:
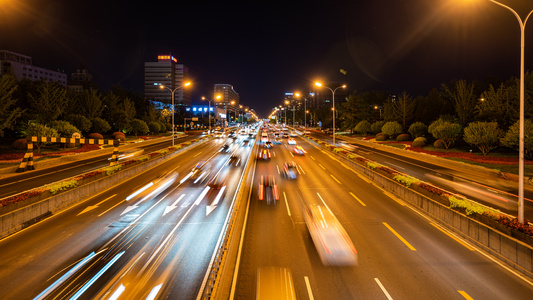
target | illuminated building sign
x=289, y=94
x=167, y=57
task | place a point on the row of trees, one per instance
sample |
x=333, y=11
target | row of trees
x=64, y=110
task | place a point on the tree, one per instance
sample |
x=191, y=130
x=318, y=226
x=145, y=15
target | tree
x=417, y=129
x=446, y=131
x=154, y=126
x=90, y=103
x=404, y=108
x=463, y=96
x=100, y=125
x=392, y=128
x=79, y=121
x=353, y=110
x=483, y=135
x=498, y=105
x=50, y=101
x=363, y=127
x=63, y=128
x=139, y=126
x=510, y=139
x=375, y=128
x=8, y=114
x=40, y=130
x=126, y=114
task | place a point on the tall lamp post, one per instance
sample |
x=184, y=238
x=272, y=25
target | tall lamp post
x=286, y=103
x=172, y=91
x=522, y=25
x=217, y=97
x=333, y=92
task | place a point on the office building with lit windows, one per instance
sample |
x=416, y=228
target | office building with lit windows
x=168, y=72
x=21, y=67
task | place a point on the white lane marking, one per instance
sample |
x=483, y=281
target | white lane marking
x=308, y=285
x=383, y=289
x=324, y=203
x=277, y=167
x=287, y=204
x=395, y=166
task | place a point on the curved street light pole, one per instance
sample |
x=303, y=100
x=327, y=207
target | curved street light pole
x=172, y=91
x=522, y=25
x=333, y=109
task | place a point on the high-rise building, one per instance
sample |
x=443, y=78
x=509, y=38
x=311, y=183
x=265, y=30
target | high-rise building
x=21, y=67
x=166, y=71
x=229, y=95
x=81, y=80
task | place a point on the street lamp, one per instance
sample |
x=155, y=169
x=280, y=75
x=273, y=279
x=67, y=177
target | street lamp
x=522, y=25
x=333, y=92
x=378, y=107
x=217, y=97
x=173, y=109
x=286, y=103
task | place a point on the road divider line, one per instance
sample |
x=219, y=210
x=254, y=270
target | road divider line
x=383, y=289
x=399, y=236
x=464, y=294
x=113, y=207
x=322, y=166
x=453, y=237
x=302, y=169
x=393, y=197
x=287, y=204
x=198, y=153
x=89, y=208
x=357, y=199
x=308, y=285
x=277, y=167
x=312, y=157
x=335, y=178
x=324, y=203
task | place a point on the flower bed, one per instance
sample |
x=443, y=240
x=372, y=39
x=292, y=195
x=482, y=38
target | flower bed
x=471, y=157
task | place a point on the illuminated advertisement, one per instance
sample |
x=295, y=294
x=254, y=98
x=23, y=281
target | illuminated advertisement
x=167, y=57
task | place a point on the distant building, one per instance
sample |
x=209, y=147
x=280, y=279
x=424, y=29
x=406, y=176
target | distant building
x=21, y=66
x=228, y=95
x=81, y=80
x=323, y=97
x=167, y=72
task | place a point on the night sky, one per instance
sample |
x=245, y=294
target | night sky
x=267, y=48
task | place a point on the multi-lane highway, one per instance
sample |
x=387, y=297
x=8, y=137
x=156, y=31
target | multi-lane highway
x=402, y=255
x=118, y=245
x=155, y=242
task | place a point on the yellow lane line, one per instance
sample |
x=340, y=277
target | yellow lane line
x=357, y=199
x=464, y=294
x=335, y=178
x=312, y=157
x=322, y=166
x=393, y=197
x=448, y=234
x=399, y=236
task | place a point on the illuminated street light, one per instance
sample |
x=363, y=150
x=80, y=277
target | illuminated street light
x=522, y=25
x=333, y=109
x=173, y=109
x=217, y=97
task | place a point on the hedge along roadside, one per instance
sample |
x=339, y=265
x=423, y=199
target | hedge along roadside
x=514, y=252
x=43, y=203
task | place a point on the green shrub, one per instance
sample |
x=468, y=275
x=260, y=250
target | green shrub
x=420, y=142
x=100, y=125
x=362, y=127
x=439, y=144
x=406, y=180
x=79, y=121
x=392, y=128
x=20, y=144
x=154, y=126
x=470, y=207
x=142, y=158
x=403, y=137
x=375, y=128
x=112, y=169
x=418, y=129
x=95, y=136
x=372, y=165
x=350, y=156
x=61, y=186
x=163, y=151
x=381, y=137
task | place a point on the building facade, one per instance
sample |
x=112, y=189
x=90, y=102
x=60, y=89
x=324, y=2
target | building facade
x=167, y=72
x=21, y=67
x=229, y=96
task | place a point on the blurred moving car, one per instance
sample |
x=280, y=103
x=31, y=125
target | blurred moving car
x=277, y=142
x=274, y=283
x=219, y=180
x=293, y=134
x=225, y=149
x=290, y=170
x=331, y=240
x=268, y=189
x=291, y=141
x=264, y=154
x=246, y=143
x=234, y=160
x=299, y=150
x=268, y=144
x=130, y=153
x=200, y=172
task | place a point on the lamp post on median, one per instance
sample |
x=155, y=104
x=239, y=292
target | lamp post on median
x=217, y=97
x=333, y=109
x=172, y=91
x=522, y=25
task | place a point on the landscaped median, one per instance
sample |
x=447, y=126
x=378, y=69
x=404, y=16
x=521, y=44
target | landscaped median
x=22, y=209
x=496, y=232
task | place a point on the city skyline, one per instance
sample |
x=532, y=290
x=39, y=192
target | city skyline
x=265, y=51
